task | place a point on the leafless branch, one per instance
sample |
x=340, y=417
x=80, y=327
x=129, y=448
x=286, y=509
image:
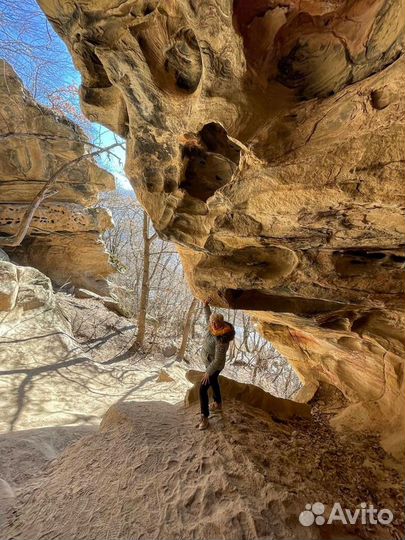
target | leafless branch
x=45, y=193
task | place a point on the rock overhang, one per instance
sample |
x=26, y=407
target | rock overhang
x=266, y=139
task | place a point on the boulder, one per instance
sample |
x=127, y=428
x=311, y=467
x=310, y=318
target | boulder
x=281, y=409
x=35, y=338
x=86, y=294
x=114, y=305
x=169, y=351
x=164, y=377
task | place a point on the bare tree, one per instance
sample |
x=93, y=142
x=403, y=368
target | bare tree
x=168, y=293
x=28, y=42
x=187, y=329
x=145, y=285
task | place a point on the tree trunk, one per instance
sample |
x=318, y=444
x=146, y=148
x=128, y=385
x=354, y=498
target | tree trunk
x=145, y=285
x=196, y=317
x=187, y=329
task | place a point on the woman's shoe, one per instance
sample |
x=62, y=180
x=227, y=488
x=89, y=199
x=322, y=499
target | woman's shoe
x=216, y=407
x=204, y=424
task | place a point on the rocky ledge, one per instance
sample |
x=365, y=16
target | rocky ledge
x=64, y=238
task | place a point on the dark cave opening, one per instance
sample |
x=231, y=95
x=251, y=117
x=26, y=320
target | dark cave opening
x=211, y=160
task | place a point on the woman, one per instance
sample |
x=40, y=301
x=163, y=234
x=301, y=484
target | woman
x=216, y=342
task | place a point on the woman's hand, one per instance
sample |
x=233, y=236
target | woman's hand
x=205, y=379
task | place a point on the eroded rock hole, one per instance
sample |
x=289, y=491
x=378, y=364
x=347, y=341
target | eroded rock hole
x=149, y=8
x=381, y=98
x=183, y=61
x=215, y=137
x=397, y=259
x=211, y=160
x=372, y=255
x=336, y=323
x=360, y=324
x=177, y=68
x=96, y=71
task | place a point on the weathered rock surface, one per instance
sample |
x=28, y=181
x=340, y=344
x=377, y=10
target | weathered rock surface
x=267, y=139
x=64, y=237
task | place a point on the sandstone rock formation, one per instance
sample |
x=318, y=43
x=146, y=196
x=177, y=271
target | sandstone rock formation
x=267, y=139
x=278, y=408
x=64, y=238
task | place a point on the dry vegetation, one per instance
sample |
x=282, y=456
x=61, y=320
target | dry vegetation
x=150, y=286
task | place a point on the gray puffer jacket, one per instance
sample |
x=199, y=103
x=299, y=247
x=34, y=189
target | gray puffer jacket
x=215, y=347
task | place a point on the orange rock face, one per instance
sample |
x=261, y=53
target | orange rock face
x=266, y=139
x=64, y=239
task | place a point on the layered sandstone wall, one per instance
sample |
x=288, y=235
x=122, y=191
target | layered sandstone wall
x=266, y=139
x=64, y=239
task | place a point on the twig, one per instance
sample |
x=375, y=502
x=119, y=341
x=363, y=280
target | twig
x=53, y=137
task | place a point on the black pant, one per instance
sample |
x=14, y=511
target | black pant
x=213, y=382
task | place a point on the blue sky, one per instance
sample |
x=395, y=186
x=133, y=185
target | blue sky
x=42, y=61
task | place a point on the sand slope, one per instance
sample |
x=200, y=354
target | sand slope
x=148, y=473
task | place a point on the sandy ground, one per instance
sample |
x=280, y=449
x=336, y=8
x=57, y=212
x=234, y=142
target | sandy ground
x=38, y=391
x=149, y=473
x=48, y=407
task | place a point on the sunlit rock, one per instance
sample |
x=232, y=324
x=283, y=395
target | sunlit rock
x=63, y=240
x=266, y=139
